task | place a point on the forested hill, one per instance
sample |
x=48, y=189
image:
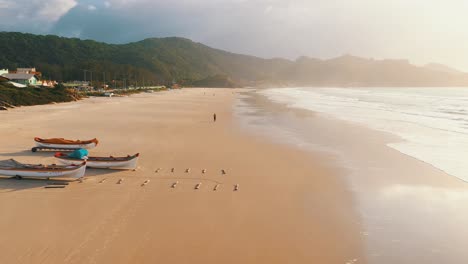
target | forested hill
x=164, y=60
x=160, y=60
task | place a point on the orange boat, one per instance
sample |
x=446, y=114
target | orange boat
x=61, y=143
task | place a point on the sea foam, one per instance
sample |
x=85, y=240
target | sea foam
x=432, y=122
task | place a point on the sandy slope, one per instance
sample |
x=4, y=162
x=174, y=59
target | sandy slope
x=289, y=208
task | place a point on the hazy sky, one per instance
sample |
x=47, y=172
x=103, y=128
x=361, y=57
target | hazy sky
x=419, y=30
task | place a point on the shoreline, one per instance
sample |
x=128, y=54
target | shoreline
x=394, y=192
x=384, y=138
x=291, y=207
x=430, y=132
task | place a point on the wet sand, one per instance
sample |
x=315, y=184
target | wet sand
x=410, y=211
x=291, y=206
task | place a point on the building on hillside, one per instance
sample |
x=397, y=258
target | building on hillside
x=22, y=78
x=6, y=80
x=28, y=71
x=18, y=85
x=47, y=83
x=50, y=83
x=3, y=71
x=25, y=70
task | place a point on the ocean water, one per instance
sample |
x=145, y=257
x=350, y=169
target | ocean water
x=431, y=123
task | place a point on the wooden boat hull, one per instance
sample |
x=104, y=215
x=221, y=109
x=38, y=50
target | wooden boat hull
x=88, y=144
x=70, y=172
x=120, y=163
x=62, y=146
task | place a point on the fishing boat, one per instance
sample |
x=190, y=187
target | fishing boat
x=19, y=170
x=123, y=163
x=61, y=143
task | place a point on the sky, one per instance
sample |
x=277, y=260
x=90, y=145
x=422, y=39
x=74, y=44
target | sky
x=421, y=31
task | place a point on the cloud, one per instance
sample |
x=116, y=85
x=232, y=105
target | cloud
x=7, y=4
x=52, y=10
x=32, y=15
x=419, y=30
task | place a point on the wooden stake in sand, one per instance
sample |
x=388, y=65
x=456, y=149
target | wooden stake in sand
x=103, y=180
x=58, y=183
x=172, y=170
x=158, y=170
x=120, y=181
x=223, y=171
x=203, y=171
x=55, y=186
x=174, y=184
x=216, y=187
x=146, y=182
x=236, y=187
x=198, y=186
x=187, y=170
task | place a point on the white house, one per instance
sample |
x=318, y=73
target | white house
x=4, y=71
x=22, y=78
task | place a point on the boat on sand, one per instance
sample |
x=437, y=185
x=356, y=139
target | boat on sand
x=19, y=170
x=124, y=163
x=61, y=143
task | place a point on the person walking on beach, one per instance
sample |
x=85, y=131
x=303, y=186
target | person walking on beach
x=214, y=117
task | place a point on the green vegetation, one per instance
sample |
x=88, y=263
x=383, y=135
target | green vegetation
x=10, y=95
x=126, y=91
x=162, y=61
x=151, y=61
x=216, y=81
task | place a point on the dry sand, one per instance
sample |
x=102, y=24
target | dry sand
x=290, y=207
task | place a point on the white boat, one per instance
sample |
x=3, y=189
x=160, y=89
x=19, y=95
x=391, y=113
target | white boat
x=14, y=168
x=61, y=143
x=122, y=163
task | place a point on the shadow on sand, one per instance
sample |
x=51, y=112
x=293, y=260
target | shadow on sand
x=28, y=153
x=11, y=184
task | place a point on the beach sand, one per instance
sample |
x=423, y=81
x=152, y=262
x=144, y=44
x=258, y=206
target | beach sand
x=291, y=206
x=410, y=212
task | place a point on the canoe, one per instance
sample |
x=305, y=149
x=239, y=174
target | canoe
x=61, y=143
x=123, y=163
x=12, y=167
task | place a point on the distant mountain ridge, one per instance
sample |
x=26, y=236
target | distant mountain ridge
x=443, y=68
x=355, y=71
x=167, y=60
